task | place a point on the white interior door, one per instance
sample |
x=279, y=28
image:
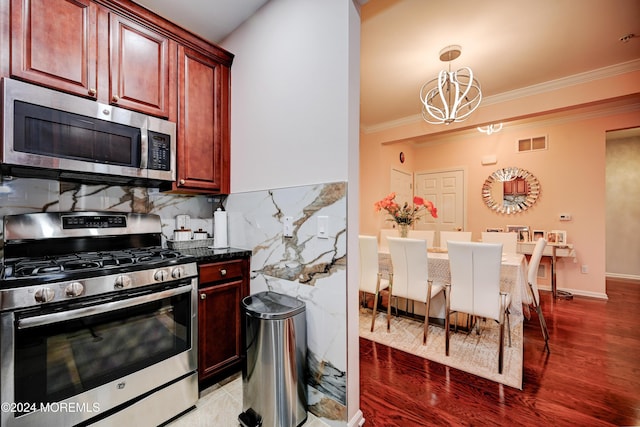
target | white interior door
x=446, y=190
x=402, y=185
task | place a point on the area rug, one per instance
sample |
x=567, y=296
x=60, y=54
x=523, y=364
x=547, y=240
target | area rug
x=469, y=352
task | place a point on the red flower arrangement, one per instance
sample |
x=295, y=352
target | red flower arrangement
x=405, y=215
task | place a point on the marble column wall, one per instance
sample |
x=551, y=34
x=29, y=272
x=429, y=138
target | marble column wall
x=304, y=266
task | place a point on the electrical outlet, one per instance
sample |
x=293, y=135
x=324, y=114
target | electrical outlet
x=584, y=269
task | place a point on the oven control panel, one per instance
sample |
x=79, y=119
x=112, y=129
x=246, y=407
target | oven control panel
x=29, y=296
x=93, y=221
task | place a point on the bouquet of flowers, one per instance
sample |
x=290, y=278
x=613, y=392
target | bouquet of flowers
x=405, y=215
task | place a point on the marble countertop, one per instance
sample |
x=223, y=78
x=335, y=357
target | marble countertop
x=205, y=254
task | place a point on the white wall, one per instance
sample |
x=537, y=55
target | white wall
x=289, y=96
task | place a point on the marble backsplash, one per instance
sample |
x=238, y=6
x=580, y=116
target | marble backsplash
x=25, y=195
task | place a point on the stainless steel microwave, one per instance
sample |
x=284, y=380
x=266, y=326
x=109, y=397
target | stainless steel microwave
x=50, y=134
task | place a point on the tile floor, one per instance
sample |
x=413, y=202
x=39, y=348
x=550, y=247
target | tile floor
x=219, y=406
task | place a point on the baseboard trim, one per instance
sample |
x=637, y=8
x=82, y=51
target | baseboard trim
x=622, y=276
x=579, y=292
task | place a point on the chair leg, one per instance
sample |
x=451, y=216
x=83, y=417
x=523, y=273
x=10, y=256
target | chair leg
x=543, y=326
x=509, y=326
x=501, y=350
x=389, y=303
x=543, y=323
x=447, y=314
x=427, y=304
x=375, y=309
x=503, y=312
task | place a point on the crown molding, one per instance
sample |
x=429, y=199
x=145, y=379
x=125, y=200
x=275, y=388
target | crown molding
x=576, y=79
x=552, y=120
x=552, y=85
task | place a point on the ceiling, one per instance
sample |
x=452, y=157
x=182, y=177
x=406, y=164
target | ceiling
x=509, y=45
x=212, y=20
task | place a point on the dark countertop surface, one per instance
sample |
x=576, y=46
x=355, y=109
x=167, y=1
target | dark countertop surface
x=206, y=255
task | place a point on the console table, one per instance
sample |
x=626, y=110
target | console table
x=553, y=250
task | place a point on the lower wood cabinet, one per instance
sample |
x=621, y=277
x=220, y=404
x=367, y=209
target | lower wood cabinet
x=222, y=287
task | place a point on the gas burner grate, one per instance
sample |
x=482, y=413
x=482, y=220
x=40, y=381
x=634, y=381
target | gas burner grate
x=86, y=261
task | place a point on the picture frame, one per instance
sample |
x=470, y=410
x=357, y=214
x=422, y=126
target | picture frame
x=557, y=237
x=522, y=230
x=537, y=234
x=494, y=229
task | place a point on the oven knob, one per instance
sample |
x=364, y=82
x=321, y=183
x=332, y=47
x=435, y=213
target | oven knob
x=74, y=289
x=44, y=295
x=161, y=275
x=177, y=272
x=123, y=282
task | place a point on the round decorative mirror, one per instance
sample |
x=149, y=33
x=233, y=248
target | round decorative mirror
x=510, y=190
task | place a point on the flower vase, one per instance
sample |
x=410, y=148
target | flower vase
x=404, y=229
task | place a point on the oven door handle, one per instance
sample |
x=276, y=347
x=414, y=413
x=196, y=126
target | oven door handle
x=46, y=319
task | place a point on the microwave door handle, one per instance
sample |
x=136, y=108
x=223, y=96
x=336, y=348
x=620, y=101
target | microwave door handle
x=46, y=319
x=144, y=148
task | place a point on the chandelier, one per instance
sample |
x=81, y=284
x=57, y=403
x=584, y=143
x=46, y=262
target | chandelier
x=452, y=96
x=489, y=129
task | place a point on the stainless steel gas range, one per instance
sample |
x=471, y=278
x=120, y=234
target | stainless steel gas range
x=97, y=321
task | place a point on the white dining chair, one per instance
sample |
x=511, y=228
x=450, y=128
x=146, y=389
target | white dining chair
x=383, y=244
x=371, y=281
x=475, y=287
x=410, y=278
x=454, y=236
x=509, y=240
x=532, y=279
x=427, y=235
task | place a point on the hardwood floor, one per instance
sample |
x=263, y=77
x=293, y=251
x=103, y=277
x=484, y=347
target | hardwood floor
x=591, y=377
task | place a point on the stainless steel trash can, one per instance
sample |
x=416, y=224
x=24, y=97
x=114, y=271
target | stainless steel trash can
x=274, y=391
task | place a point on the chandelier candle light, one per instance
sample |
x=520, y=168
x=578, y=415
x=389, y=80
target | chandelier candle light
x=406, y=215
x=452, y=96
x=492, y=128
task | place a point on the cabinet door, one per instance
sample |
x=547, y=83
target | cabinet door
x=140, y=68
x=203, y=123
x=219, y=324
x=54, y=43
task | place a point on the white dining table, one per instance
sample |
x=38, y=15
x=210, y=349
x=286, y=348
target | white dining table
x=513, y=279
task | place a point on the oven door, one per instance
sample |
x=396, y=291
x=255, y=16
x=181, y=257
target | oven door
x=64, y=366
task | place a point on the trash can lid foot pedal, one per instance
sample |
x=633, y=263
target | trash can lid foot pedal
x=250, y=418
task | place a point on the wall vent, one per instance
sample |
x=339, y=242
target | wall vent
x=532, y=144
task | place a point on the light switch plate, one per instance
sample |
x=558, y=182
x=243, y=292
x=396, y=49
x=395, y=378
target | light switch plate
x=323, y=227
x=287, y=226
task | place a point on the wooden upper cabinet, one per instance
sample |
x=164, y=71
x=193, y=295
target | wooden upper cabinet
x=116, y=52
x=80, y=47
x=203, y=123
x=140, y=71
x=55, y=44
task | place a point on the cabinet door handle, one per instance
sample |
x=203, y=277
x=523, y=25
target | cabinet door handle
x=115, y=98
x=182, y=182
x=203, y=296
x=223, y=272
x=92, y=92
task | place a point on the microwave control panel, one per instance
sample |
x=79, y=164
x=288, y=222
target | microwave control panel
x=159, y=151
